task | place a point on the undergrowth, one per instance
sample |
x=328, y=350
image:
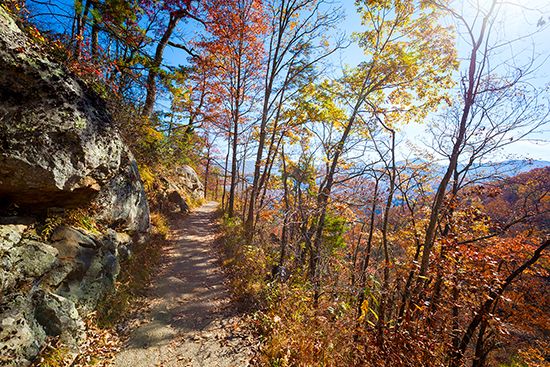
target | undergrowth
x=246, y=265
x=53, y=354
x=136, y=273
x=82, y=218
x=293, y=331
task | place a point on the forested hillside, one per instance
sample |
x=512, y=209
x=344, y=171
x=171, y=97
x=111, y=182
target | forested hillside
x=381, y=168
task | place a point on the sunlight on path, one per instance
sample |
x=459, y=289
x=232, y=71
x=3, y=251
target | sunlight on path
x=191, y=322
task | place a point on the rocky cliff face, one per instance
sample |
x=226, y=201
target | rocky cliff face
x=59, y=150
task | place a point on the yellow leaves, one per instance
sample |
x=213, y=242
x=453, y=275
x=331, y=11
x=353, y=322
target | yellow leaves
x=364, y=310
x=292, y=24
x=35, y=34
x=151, y=136
x=410, y=58
x=147, y=177
x=317, y=103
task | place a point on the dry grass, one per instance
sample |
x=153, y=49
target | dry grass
x=53, y=354
x=135, y=275
x=160, y=225
x=247, y=266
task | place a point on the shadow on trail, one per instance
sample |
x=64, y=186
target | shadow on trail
x=188, y=294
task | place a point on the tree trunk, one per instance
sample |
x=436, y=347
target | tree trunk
x=95, y=40
x=286, y=193
x=224, y=192
x=385, y=245
x=80, y=25
x=469, y=99
x=234, y=171
x=322, y=203
x=154, y=69
x=207, y=171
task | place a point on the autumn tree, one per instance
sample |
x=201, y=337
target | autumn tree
x=496, y=106
x=295, y=43
x=400, y=80
x=234, y=49
x=175, y=11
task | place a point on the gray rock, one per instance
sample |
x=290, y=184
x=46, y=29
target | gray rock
x=176, y=202
x=35, y=258
x=124, y=252
x=110, y=241
x=123, y=202
x=21, y=337
x=188, y=178
x=26, y=260
x=176, y=189
x=59, y=145
x=58, y=317
x=77, y=252
x=74, y=236
x=85, y=274
x=74, y=246
x=94, y=285
x=59, y=274
x=71, y=269
x=10, y=235
x=8, y=280
x=123, y=238
x=93, y=273
x=111, y=266
x=58, y=148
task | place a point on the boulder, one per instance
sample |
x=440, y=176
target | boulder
x=10, y=235
x=175, y=191
x=25, y=261
x=190, y=181
x=21, y=336
x=58, y=317
x=74, y=236
x=177, y=202
x=97, y=282
x=173, y=197
x=85, y=275
x=34, y=258
x=59, y=145
x=123, y=201
x=77, y=251
x=122, y=238
x=59, y=148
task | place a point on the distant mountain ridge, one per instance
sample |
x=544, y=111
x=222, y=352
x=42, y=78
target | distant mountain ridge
x=521, y=165
x=506, y=168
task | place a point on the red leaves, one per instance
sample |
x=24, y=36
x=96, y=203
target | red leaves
x=230, y=61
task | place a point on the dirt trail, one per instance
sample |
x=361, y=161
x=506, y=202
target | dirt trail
x=191, y=321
